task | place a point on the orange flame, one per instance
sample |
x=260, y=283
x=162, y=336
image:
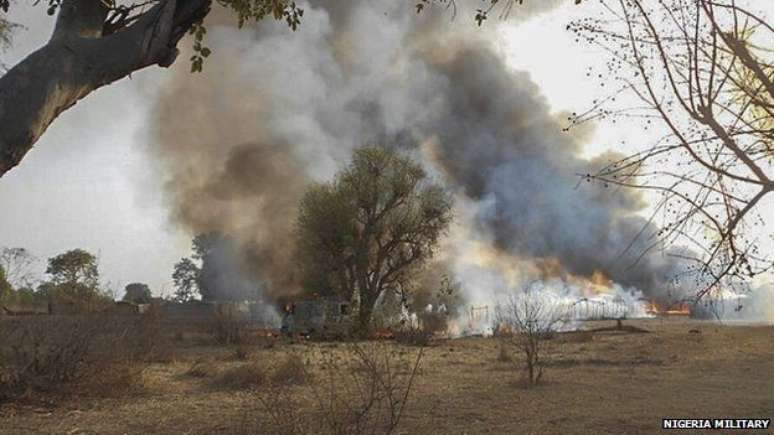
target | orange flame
x=678, y=309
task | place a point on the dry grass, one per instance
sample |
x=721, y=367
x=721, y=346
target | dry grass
x=602, y=382
x=92, y=354
x=242, y=377
x=290, y=370
x=203, y=368
x=241, y=352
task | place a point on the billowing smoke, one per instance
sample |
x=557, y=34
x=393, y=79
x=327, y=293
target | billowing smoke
x=276, y=110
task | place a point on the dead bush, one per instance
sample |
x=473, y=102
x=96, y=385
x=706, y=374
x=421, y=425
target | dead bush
x=526, y=323
x=503, y=353
x=228, y=328
x=291, y=370
x=202, y=368
x=358, y=388
x=90, y=352
x=242, y=377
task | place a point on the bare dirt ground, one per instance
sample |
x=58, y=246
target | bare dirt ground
x=606, y=382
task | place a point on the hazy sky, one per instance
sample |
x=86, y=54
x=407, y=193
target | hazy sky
x=87, y=182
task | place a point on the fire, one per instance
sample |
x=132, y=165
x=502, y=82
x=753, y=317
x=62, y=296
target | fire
x=597, y=284
x=677, y=309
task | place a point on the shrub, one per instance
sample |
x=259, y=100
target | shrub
x=228, y=328
x=503, y=353
x=525, y=323
x=242, y=377
x=291, y=370
x=363, y=388
x=91, y=352
x=202, y=368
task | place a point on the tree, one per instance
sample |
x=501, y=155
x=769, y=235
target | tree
x=5, y=287
x=137, y=293
x=74, y=275
x=371, y=228
x=18, y=263
x=186, y=279
x=97, y=42
x=702, y=70
x=211, y=271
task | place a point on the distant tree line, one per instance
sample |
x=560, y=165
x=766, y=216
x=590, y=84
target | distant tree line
x=71, y=278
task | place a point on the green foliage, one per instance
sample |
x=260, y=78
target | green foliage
x=137, y=293
x=186, y=278
x=482, y=13
x=190, y=272
x=246, y=11
x=203, y=244
x=372, y=228
x=74, y=267
x=74, y=280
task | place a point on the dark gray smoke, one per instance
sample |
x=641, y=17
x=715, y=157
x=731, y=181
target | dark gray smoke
x=275, y=110
x=497, y=140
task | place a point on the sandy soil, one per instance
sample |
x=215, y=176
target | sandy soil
x=606, y=382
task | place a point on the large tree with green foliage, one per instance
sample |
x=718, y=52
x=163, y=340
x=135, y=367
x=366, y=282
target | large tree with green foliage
x=137, y=293
x=370, y=229
x=97, y=42
x=74, y=276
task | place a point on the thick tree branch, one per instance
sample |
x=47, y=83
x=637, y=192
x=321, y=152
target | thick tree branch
x=80, y=59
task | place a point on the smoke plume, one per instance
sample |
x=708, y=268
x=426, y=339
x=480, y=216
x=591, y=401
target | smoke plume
x=276, y=110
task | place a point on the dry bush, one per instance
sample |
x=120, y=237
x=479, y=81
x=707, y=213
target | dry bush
x=90, y=353
x=363, y=388
x=503, y=352
x=291, y=370
x=228, y=328
x=525, y=324
x=202, y=368
x=242, y=377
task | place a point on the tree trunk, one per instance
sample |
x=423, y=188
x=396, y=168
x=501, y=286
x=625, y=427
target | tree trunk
x=80, y=58
x=365, y=311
